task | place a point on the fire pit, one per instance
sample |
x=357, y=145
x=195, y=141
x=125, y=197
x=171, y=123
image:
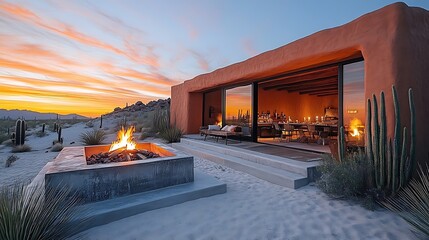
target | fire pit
x=97, y=182
x=122, y=150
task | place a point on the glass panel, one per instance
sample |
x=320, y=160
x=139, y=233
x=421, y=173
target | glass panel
x=212, y=107
x=238, y=106
x=354, y=102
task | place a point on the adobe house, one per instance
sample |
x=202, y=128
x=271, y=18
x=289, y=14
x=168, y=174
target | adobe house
x=334, y=69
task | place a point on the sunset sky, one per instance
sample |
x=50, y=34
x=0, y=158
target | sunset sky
x=88, y=57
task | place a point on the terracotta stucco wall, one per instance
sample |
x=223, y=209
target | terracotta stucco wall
x=393, y=41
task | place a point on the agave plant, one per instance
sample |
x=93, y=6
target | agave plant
x=36, y=213
x=93, y=137
x=412, y=204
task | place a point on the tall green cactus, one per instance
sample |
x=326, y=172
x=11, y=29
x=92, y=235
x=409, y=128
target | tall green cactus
x=341, y=145
x=412, y=158
x=393, y=167
x=383, y=141
x=43, y=128
x=101, y=121
x=20, y=132
x=375, y=139
x=60, y=139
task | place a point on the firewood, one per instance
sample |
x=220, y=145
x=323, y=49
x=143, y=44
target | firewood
x=116, y=152
x=141, y=156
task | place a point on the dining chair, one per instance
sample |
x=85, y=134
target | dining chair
x=287, y=132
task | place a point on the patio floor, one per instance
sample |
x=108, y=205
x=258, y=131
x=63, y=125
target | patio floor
x=280, y=151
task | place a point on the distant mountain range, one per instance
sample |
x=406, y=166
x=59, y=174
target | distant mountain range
x=31, y=115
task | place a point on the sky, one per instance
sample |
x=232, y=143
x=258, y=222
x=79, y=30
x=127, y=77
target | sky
x=88, y=57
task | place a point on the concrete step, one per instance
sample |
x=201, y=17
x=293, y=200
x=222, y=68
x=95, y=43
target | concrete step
x=303, y=168
x=271, y=174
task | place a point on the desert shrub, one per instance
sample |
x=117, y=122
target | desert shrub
x=36, y=213
x=8, y=143
x=93, y=137
x=139, y=127
x=160, y=120
x=412, y=204
x=40, y=134
x=10, y=160
x=146, y=134
x=21, y=148
x=57, y=147
x=344, y=179
x=90, y=124
x=171, y=134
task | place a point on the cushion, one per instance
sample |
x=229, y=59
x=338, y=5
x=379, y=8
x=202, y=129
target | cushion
x=214, y=127
x=232, y=128
x=225, y=128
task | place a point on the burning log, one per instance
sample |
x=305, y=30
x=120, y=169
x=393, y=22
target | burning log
x=120, y=155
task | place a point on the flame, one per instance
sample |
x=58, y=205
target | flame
x=354, y=127
x=355, y=132
x=125, y=140
x=219, y=120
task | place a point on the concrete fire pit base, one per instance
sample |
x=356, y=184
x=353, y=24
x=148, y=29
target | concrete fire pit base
x=100, y=182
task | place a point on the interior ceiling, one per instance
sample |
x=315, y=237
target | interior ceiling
x=319, y=82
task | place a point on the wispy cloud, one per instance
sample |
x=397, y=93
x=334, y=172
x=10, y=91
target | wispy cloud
x=201, y=60
x=248, y=47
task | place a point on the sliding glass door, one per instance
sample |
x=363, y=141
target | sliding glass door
x=238, y=108
x=354, y=102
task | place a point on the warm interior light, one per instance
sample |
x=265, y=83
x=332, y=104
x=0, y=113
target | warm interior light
x=125, y=139
x=355, y=124
x=355, y=132
x=219, y=120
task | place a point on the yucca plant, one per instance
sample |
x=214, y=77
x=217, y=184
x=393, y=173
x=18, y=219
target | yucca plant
x=93, y=137
x=35, y=213
x=412, y=203
x=171, y=134
x=161, y=120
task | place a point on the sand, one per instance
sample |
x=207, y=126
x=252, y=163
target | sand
x=251, y=209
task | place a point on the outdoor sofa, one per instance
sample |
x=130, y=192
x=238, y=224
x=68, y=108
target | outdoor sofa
x=225, y=132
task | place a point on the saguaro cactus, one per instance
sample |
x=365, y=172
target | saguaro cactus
x=20, y=132
x=60, y=139
x=341, y=144
x=43, y=128
x=393, y=167
x=101, y=121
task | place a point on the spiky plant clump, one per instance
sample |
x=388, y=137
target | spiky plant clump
x=36, y=213
x=57, y=147
x=93, y=137
x=412, y=204
x=171, y=134
x=21, y=148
